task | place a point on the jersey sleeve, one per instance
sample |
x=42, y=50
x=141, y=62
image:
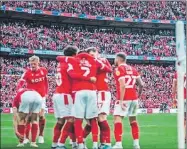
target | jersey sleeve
x=15, y=103
x=103, y=67
x=136, y=73
x=119, y=73
x=22, y=80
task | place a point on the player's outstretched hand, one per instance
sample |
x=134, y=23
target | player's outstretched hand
x=93, y=79
x=19, y=136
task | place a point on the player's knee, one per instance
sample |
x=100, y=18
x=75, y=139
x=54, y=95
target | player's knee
x=22, y=116
x=118, y=119
x=132, y=119
x=61, y=120
x=102, y=117
x=34, y=117
x=70, y=119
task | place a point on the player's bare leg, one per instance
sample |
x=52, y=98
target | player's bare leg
x=34, y=129
x=104, y=130
x=135, y=131
x=118, y=130
x=42, y=122
x=57, y=132
x=19, y=122
x=68, y=127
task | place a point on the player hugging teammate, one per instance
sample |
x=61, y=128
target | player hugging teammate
x=82, y=93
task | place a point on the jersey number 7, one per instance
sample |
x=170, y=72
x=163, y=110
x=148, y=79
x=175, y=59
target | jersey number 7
x=87, y=71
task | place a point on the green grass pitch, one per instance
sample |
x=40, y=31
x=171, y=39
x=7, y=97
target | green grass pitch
x=157, y=131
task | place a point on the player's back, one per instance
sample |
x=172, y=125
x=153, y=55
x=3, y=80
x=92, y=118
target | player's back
x=102, y=78
x=130, y=75
x=63, y=81
x=88, y=68
x=36, y=80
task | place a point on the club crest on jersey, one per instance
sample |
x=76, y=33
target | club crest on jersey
x=117, y=72
x=38, y=80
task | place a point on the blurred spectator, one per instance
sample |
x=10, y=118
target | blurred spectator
x=161, y=10
x=146, y=42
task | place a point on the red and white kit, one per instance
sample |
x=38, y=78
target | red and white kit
x=130, y=100
x=62, y=99
x=27, y=100
x=104, y=95
x=36, y=80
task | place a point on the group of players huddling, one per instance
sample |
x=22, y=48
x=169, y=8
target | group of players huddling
x=82, y=93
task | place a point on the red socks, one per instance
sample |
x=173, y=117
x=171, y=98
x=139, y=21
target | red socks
x=72, y=134
x=87, y=130
x=104, y=132
x=27, y=130
x=57, y=132
x=34, y=132
x=78, y=130
x=41, y=125
x=67, y=128
x=21, y=130
x=94, y=129
x=135, y=130
x=118, y=132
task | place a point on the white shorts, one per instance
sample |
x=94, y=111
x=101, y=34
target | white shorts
x=31, y=101
x=131, y=108
x=43, y=103
x=85, y=105
x=104, y=99
x=62, y=105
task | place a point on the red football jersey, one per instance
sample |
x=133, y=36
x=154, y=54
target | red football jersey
x=37, y=80
x=175, y=77
x=102, y=78
x=130, y=75
x=63, y=81
x=17, y=98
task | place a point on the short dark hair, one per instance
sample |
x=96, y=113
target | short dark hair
x=91, y=49
x=70, y=50
x=121, y=55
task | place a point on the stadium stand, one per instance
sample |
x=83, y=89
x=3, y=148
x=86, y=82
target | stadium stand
x=147, y=42
x=157, y=78
x=164, y=10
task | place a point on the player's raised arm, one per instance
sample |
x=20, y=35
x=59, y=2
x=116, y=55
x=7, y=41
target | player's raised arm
x=106, y=67
x=21, y=81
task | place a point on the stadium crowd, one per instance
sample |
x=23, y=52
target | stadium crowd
x=157, y=90
x=30, y=35
x=161, y=10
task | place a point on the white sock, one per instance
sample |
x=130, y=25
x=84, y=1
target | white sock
x=136, y=142
x=74, y=144
x=95, y=145
x=81, y=146
x=109, y=144
x=61, y=144
x=54, y=144
x=119, y=143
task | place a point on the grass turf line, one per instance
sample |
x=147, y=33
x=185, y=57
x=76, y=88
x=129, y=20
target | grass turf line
x=157, y=131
